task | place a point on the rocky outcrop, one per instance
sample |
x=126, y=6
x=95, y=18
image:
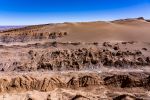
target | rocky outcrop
x=110, y=56
x=30, y=36
x=80, y=59
x=78, y=97
x=126, y=97
x=129, y=80
x=29, y=83
x=85, y=81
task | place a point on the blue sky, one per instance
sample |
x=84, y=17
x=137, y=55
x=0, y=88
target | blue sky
x=27, y=12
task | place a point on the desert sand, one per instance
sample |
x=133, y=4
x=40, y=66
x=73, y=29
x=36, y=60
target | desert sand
x=76, y=61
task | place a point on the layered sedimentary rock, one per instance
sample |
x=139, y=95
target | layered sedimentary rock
x=82, y=81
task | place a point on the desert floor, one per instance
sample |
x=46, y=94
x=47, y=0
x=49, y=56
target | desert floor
x=76, y=61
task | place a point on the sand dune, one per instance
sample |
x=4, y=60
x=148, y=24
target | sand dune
x=119, y=30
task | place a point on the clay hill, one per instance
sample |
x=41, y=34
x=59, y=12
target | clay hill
x=76, y=61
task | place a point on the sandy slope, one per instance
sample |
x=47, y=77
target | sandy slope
x=120, y=30
x=106, y=31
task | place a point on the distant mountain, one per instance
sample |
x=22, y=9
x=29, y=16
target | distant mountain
x=9, y=27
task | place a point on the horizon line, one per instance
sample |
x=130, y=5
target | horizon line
x=61, y=22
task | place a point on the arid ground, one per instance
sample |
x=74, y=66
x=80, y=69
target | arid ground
x=76, y=61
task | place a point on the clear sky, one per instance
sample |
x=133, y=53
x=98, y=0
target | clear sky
x=27, y=12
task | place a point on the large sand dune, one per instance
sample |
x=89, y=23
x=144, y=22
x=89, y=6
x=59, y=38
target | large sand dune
x=119, y=30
